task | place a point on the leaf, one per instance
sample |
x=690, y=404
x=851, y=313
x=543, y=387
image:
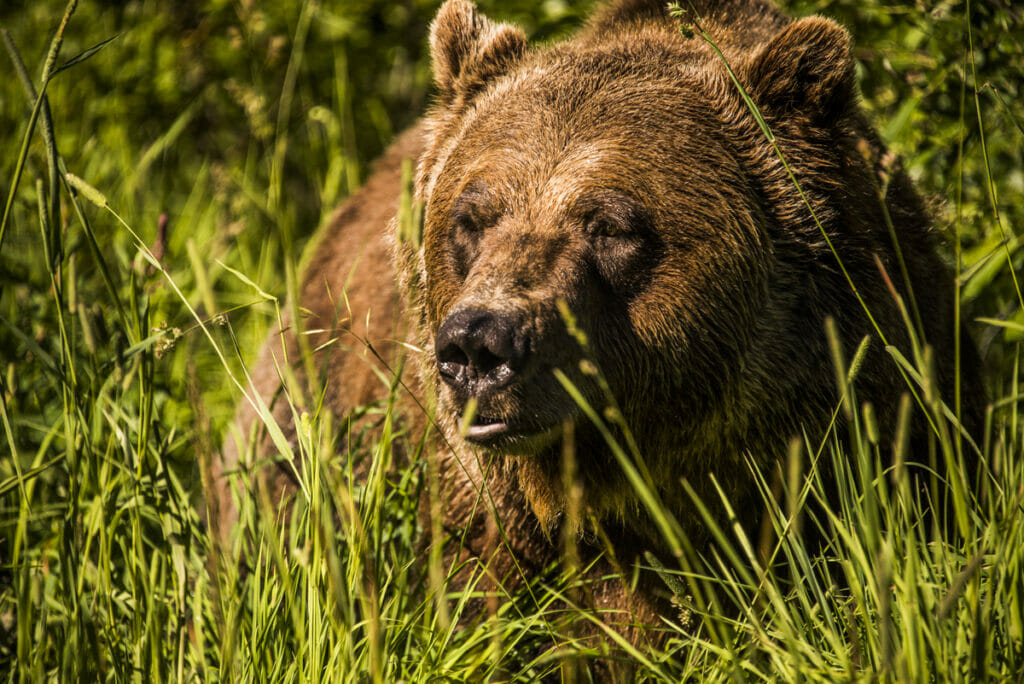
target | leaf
x=12, y=482
x=1009, y=325
x=84, y=55
x=245, y=279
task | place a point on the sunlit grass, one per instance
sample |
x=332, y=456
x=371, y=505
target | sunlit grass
x=125, y=346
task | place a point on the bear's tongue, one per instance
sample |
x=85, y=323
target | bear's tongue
x=485, y=427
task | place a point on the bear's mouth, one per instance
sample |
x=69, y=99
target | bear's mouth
x=486, y=428
x=502, y=435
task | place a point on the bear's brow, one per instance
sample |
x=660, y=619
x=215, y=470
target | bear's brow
x=610, y=205
x=475, y=203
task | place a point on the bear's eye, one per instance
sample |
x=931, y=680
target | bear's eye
x=475, y=209
x=610, y=214
x=467, y=222
x=603, y=226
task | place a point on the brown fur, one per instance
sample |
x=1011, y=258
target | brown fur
x=621, y=173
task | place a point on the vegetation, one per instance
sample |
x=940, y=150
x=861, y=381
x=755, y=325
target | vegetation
x=155, y=206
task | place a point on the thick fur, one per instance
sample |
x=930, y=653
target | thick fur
x=620, y=174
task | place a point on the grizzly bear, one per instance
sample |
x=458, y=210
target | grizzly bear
x=623, y=267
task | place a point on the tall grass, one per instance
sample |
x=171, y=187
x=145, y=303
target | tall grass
x=158, y=191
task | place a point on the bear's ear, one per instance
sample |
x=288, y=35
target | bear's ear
x=469, y=50
x=807, y=70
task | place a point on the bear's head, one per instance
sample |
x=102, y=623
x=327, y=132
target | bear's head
x=611, y=203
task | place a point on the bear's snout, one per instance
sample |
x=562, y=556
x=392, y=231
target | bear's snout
x=479, y=351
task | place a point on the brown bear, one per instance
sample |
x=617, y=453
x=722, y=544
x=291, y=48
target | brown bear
x=614, y=251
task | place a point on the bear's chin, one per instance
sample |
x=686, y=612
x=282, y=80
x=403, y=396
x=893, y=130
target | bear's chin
x=541, y=482
x=541, y=479
x=539, y=476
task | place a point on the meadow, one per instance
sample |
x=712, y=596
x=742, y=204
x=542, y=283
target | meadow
x=163, y=166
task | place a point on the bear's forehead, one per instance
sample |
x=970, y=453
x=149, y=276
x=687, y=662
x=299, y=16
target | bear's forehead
x=572, y=104
x=640, y=119
x=554, y=185
x=563, y=120
x=592, y=88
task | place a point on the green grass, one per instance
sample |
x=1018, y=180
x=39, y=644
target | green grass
x=121, y=343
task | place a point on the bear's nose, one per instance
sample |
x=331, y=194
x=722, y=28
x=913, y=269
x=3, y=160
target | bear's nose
x=479, y=351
